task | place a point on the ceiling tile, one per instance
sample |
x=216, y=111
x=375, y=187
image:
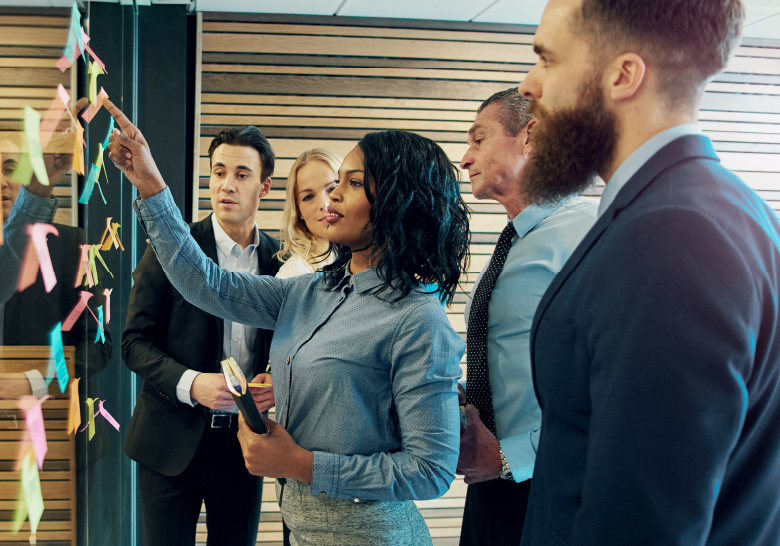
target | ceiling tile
x=307, y=7
x=442, y=10
x=528, y=12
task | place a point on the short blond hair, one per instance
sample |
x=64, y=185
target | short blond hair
x=295, y=236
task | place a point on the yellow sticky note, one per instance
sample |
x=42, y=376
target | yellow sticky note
x=74, y=415
x=95, y=70
x=91, y=417
x=31, y=160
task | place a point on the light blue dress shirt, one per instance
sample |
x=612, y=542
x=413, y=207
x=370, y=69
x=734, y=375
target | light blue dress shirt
x=641, y=156
x=238, y=340
x=366, y=384
x=546, y=237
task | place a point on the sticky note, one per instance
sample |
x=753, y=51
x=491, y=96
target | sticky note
x=33, y=497
x=92, y=109
x=74, y=414
x=58, y=355
x=94, y=72
x=90, y=417
x=89, y=185
x=102, y=411
x=100, y=334
x=77, y=310
x=78, y=150
x=84, y=268
x=110, y=236
x=74, y=33
x=29, y=271
x=107, y=294
x=96, y=254
x=108, y=134
x=51, y=120
x=34, y=420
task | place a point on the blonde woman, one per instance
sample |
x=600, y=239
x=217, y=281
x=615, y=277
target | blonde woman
x=305, y=221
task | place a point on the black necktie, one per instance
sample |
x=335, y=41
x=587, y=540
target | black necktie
x=477, y=384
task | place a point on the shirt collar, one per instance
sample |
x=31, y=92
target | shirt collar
x=530, y=216
x=641, y=156
x=223, y=240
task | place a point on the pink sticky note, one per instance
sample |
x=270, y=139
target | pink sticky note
x=77, y=310
x=63, y=63
x=107, y=294
x=92, y=109
x=34, y=419
x=28, y=272
x=95, y=57
x=37, y=240
x=102, y=411
x=84, y=268
x=65, y=99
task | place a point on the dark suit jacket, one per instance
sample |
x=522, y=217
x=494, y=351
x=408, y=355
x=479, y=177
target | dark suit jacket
x=657, y=366
x=31, y=315
x=164, y=336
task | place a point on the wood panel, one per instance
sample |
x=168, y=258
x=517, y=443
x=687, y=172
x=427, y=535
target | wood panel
x=58, y=476
x=30, y=45
x=319, y=81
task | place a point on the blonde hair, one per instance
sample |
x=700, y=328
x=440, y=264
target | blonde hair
x=295, y=236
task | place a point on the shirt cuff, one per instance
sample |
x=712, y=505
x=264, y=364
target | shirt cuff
x=520, y=453
x=37, y=384
x=324, y=475
x=184, y=385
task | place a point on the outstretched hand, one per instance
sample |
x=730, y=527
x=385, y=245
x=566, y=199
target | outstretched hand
x=129, y=151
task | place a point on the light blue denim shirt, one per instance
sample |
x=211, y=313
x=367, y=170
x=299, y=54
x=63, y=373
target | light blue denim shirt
x=368, y=385
x=546, y=237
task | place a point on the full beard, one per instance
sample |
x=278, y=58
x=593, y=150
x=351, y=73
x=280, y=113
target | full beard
x=569, y=147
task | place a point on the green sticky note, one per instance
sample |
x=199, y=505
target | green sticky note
x=31, y=160
x=31, y=485
x=91, y=417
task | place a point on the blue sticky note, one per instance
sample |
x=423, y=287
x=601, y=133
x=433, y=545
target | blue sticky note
x=86, y=193
x=108, y=134
x=74, y=33
x=100, y=336
x=59, y=357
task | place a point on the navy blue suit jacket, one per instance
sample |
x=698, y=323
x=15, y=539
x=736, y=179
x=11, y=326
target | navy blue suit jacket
x=656, y=362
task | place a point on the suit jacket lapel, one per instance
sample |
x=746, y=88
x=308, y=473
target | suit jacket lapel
x=681, y=149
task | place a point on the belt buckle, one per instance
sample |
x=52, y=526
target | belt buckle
x=221, y=420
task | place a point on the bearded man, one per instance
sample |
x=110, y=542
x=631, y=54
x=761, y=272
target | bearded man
x=655, y=350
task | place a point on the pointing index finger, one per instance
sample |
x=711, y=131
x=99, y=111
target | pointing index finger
x=121, y=119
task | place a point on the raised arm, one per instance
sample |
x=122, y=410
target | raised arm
x=240, y=297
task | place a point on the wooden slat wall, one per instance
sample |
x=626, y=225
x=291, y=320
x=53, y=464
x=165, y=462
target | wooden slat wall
x=326, y=81
x=31, y=42
x=58, y=476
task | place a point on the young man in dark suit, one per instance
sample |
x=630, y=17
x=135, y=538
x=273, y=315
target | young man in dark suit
x=183, y=432
x=656, y=351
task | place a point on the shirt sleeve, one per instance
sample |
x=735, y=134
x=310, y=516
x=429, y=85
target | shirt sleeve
x=253, y=300
x=37, y=383
x=425, y=355
x=184, y=386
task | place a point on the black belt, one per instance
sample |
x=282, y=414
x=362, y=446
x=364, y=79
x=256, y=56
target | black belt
x=224, y=420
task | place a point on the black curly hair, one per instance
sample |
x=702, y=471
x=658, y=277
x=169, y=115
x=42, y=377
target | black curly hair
x=419, y=221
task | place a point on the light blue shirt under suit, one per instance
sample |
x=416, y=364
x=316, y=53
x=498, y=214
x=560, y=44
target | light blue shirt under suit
x=546, y=237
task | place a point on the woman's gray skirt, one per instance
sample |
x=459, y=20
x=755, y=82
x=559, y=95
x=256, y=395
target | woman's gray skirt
x=316, y=520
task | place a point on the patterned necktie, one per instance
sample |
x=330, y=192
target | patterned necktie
x=477, y=385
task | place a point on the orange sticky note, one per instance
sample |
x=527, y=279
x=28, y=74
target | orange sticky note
x=74, y=415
